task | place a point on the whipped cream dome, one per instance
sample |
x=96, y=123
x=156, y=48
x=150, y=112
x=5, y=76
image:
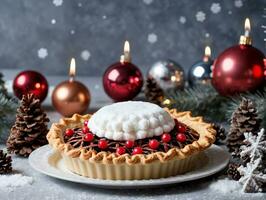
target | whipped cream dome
x=131, y=120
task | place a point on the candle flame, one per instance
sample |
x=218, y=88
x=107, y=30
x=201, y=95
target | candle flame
x=126, y=47
x=72, y=70
x=247, y=24
x=207, y=51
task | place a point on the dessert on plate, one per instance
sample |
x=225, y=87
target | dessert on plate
x=130, y=141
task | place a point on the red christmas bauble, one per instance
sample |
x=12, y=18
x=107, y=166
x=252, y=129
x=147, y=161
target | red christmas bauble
x=238, y=69
x=30, y=82
x=122, y=81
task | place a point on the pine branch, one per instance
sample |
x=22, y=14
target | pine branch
x=200, y=100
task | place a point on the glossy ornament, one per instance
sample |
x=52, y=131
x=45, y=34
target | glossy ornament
x=167, y=74
x=200, y=72
x=70, y=97
x=239, y=68
x=30, y=82
x=123, y=81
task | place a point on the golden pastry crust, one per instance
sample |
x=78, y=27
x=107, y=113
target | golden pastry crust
x=205, y=131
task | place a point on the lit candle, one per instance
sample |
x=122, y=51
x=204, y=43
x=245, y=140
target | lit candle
x=247, y=27
x=207, y=54
x=126, y=56
x=246, y=39
x=71, y=96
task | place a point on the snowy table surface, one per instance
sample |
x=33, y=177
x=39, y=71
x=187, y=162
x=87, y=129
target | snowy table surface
x=47, y=188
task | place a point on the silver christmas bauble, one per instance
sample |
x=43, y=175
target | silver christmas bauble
x=200, y=72
x=168, y=75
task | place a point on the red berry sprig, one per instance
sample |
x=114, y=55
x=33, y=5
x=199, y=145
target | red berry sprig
x=137, y=150
x=181, y=137
x=129, y=144
x=102, y=144
x=120, y=150
x=166, y=137
x=69, y=132
x=85, y=123
x=154, y=144
x=85, y=129
x=181, y=128
x=88, y=137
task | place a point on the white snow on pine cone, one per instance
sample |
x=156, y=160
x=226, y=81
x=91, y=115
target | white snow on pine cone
x=58, y=2
x=85, y=55
x=182, y=20
x=42, y=53
x=152, y=38
x=200, y=16
x=148, y=2
x=215, y=8
x=238, y=3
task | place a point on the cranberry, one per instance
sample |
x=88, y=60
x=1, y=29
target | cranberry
x=85, y=129
x=181, y=128
x=69, y=132
x=85, y=123
x=129, y=143
x=181, y=137
x=166, y=137
x=120, y=150
x=88, y=137
x=137, y=150
x=154, y=144
x=102, y=144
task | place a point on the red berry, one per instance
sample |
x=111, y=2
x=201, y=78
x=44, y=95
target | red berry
x=69, y=132
x=166, y=137
x=129, y=143
x=120, y=150
x=88, y=137
x=181, y=137
x=102, y=144
x=176, y=122
x=85, y=123
x=154, y=144
x=137, y=150
x=85, y=129
x=181, y=128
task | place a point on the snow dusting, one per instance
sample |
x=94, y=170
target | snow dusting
x=42, y=53
x=152, y=38
x=15, y=180
x=182, y=20
x=225, y=186
x=58, y=2
x=238, y=3
x=200, y=16
x=85, y=55
x=148, y=2
x=215, y=8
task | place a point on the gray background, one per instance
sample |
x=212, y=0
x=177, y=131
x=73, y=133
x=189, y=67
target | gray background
x=101, y=26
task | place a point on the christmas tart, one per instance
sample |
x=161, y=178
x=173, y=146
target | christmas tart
x=131, y=140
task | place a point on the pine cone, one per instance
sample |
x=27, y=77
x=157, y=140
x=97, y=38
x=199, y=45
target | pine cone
x=30, y=129
x=5, y=163
x=220, y=133
x=244, y=119
x=232, y=172
x=153, y=92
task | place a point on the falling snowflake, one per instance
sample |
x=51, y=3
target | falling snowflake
x=58, y=2
x=42, y=53
x=104, y=17
x=152, y=38
x=207, y=35
x=200, y=16
x=85, y=55
x=97, y=86
x=72, y=32
x=230, y=12
x=182, y=20
x=53, y=21
x=148, y=2
x=238, y=3
x=215, y=8
x=79, y=4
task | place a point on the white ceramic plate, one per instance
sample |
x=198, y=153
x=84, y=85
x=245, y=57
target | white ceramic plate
x=46, y=161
